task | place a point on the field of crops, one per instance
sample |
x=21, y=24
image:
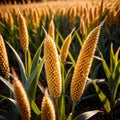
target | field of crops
x=60, y=60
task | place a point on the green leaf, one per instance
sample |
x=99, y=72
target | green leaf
x=79, y=39
x=71, y=58
x=35, y=108
x=29, y=63
x=7, y=83
x=116, y=85
x=103, y=98
x=30, y=80
x=36, y=57
x=21, y=65
x=112, y=61
x=41, y=87
x=117, y=55
x=117, y=102
x=87, y=115
x=68, y=72
x=9, y=99
x=62, y=98
x=107, y=71
x=14, y=114
x=34, y=78
x=62, y=107
x=69, y=116
x=96, y=71
x=61, y=38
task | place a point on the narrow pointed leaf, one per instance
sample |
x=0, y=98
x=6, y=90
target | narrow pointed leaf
x=106, y=69
x=35, y=108
x=29, y=63
x=34, y=81
x=30, y=79
x=69, y=117
x=103, y=98
x=112, y=57
x=7, y=83
x=10, y=99
x=36, y=57
x=41, y=87
x=21, y=65
x=79, y=39
x=62, y=98
x=87, y=115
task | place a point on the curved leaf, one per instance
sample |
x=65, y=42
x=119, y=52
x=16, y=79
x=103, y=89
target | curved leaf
x=35, y=108
x=10, y=99
x=29, y=63
x=33, y=80
x=69, y=117
x=7, y=83
x=36, y=58
x=21, y=65
x=103, y=98
x=87, y=115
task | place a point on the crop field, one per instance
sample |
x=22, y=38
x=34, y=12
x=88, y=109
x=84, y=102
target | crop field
x=60, y=60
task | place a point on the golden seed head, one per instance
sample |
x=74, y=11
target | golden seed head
x=4, y=64
x=51, y=29
x=22, y=99
x=35, y=19
x=83, y=64
x=47, y=108
x=82, y=27
x=62, y=11
x=10, y=18
x=6, y=17
x=72, y=14
x=65, y=47
x=52, y=67
x=90, y=15
x=23, y=33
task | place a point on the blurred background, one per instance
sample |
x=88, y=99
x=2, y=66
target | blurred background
x=22, y=1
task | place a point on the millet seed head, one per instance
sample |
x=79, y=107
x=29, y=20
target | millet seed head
x=52, y=67
x=83, y=64
x=23, y=33
x=4, y=64
x=47, y=108
x=22, y=99
x=65, y=47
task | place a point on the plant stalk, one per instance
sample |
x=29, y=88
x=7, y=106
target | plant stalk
x=56, y=109
x=25, y=62
x=73, y=109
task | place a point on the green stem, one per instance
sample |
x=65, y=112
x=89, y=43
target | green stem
x=73, y=108
x=26, y=62
x=56, y=109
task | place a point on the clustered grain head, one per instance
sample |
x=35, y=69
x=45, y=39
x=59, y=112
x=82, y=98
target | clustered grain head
x=89, y=10
x=4, y=63
x=35, y=19
x=22, y=99
x=51, y=29
x=83, y=64
x=23, y=33
x=65, y=47
x=10, y=19
x=47, y=108
x=52, y=67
